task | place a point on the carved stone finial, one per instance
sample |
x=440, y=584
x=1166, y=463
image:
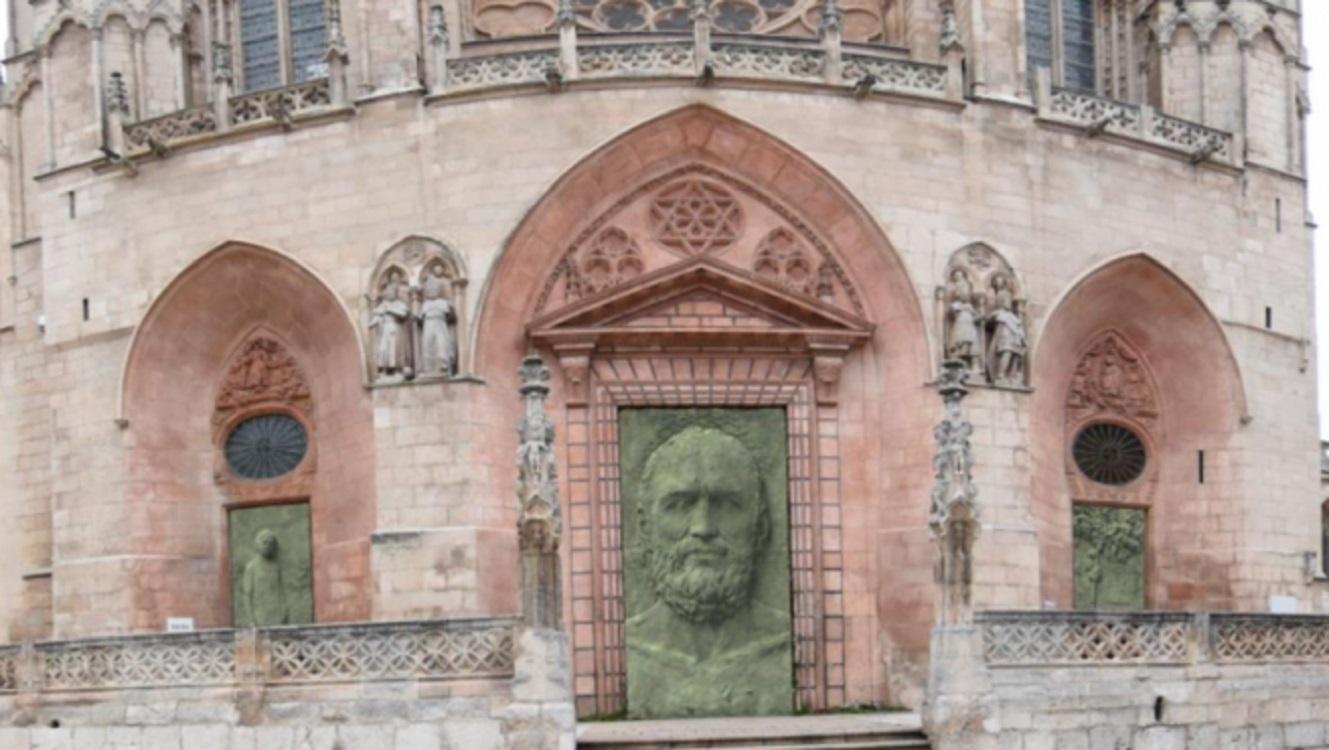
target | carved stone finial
x=221, y=63
x=540, y=525
x=700, y=10
x=831, y=19
x=566, y=15
x=438, y=26
x=953, y=518
x=950, y=29
x=117, y=94
x=336, y=38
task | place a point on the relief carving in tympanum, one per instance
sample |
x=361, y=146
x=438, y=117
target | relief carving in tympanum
x=706, y=562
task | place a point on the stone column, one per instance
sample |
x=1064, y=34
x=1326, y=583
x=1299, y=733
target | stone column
x=336, y=56
x=831, y=30
x=701, y=36
x=117, y=110
x=221, y=80
x=954, y=708
x=540, y=525
x=438, y=45
x=953, y=518
x=567, y=40
x=542, y=713
x=951, y=47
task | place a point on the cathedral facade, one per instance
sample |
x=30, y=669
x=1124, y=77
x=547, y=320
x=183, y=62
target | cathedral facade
x=396, y=372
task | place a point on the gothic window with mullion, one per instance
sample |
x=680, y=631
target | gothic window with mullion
x=282, y=42
x=1060, y=35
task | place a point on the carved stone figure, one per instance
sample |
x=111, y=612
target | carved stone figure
x=262, y=590
x=540, y=525
x=437, y=344
x=1110, y=377
x=392, y=352
x=271, y=565
x=953, y=518
x=1010, y=345
x=962, y=335
x=706, y=645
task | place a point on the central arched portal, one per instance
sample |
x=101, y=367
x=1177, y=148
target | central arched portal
x=717, y=364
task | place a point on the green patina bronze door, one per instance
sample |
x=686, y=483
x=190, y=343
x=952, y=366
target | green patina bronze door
x=271, y=581
x=1109, y=557
x=706, y=562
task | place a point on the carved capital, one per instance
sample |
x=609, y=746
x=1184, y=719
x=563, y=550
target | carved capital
x=574, y=361
x=827, y=364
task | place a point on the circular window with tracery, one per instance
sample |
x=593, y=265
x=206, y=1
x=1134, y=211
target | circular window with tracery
x=266, y=446
x=1109, y=454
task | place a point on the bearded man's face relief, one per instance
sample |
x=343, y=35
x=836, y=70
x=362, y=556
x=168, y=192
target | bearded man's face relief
x=705, y=523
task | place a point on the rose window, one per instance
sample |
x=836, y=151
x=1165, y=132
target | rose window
x=696, y=217
x=1109, y=454
x=266, y=446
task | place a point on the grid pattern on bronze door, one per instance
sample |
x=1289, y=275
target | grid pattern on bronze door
x=595, y=516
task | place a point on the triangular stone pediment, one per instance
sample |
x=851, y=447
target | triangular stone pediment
x=698, y=301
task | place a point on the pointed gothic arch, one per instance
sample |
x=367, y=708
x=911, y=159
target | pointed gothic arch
x=831, y=301
x=175, y=409
x=1198, y=404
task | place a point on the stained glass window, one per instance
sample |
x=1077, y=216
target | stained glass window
x=1077, y=28
x=259, y=44
x=308, y=37
x=1038, y=36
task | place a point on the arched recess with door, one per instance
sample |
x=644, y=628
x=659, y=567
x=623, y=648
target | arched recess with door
x=697, y=261
x=1138, y=402
x=243, y=389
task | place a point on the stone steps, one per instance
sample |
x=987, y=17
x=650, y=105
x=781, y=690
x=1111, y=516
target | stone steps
x=884, y=731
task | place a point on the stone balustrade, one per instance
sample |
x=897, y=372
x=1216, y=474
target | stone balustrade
x=1050, y=638
x=281, y=106
x=1143, y=123
x=306, y=654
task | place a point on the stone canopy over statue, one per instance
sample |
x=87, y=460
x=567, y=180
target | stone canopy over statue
x=707, y=564
x=414, y=308
x=983, y=318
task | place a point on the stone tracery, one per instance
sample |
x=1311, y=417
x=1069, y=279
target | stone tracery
x=697, y=211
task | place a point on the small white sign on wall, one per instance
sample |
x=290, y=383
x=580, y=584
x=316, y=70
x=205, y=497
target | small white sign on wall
x=179, y=624
x=1282, y=605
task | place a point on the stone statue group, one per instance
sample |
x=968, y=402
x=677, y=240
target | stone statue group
x=413, y=328
x=985, y=330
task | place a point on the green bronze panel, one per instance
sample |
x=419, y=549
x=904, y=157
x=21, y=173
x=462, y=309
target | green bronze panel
x=1109, y=557
x=706, y=562
x=271, y=581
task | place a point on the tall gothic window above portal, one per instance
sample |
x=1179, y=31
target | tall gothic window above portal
x=281, y=42
x=1059, y=35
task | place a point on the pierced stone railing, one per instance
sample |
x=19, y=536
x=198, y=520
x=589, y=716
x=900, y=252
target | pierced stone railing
x=728, y=57
x=503, y=69
x=308, y=654
x=281, y=104
x=1269, y=638
x=1084, y=638
x=1099, y=115
x=897, y=76
x=1044, y=638
x=170, y=127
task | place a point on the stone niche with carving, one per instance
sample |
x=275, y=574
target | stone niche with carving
x=415, y=313
x=1112, y=423
x=262, y=423
x=981, y=313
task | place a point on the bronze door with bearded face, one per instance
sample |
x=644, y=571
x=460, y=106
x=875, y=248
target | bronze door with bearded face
x=271, y=566
x=706, y=562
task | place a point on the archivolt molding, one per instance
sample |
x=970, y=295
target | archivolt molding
x=167, y=296
x=709, y=194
